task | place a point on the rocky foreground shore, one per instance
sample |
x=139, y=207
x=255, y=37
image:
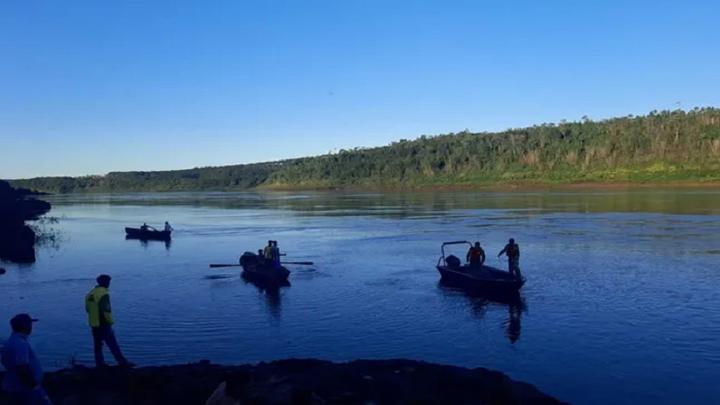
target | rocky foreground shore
x=291, y=381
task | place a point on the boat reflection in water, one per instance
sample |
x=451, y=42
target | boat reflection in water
x=481, y=301
x=271, y=291
x=145, y=242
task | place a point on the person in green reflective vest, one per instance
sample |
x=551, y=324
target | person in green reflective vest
x=97, y=306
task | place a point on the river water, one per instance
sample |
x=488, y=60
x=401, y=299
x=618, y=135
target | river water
x=622, y=302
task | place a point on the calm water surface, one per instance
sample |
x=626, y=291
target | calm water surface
x=622, y=303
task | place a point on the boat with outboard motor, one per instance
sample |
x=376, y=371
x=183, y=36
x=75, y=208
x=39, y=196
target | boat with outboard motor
x=482, y=278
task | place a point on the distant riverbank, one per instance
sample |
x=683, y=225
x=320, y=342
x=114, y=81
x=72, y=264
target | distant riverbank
x=506, y=187
x=661, y=148
x=292, y=381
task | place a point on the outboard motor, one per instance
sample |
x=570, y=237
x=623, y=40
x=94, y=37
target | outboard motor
x=453, y=262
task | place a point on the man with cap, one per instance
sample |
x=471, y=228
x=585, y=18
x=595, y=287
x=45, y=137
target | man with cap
x=97, y=306
x=24, y=375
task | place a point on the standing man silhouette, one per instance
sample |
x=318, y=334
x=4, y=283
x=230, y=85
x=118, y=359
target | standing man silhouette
x=512, y=250
x=97, y=306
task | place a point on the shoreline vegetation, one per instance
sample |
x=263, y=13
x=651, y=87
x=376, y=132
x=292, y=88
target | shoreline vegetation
x=517, y=186
x=668, y=148
x=298, y=381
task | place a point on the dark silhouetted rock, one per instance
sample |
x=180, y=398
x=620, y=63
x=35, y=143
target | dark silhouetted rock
x=17, y=240
x=292, y=382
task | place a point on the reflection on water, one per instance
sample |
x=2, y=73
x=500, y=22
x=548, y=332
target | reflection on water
x=271, y=292
x=148, y=242
x=422, y=204
x=218, y=277
x=480, y=303
x=513, y=323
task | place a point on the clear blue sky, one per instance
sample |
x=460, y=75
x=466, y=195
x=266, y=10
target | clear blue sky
x=88, y=87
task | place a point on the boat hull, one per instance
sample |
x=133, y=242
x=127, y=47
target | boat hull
x=136, y=233
x=485, y=279
x=256, y=269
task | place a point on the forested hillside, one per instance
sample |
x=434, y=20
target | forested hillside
x=236, y=177
x=661, y=146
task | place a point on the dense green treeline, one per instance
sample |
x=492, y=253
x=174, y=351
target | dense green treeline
x=237, y=177
x=661, y=146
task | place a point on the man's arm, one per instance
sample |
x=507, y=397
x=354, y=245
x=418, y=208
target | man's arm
x=26, y=376
x=105, y=309
x=502, y=251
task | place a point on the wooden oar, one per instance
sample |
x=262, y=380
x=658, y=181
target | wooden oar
x=238, y=265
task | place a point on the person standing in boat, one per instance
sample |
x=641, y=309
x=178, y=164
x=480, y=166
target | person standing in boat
x=97, y=306
x=168, y=228
x=275, y=255
x=512, y=250
x=268, y=252
x=476, y=256
x=144, y=227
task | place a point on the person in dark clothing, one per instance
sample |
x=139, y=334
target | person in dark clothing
x=512, y=250
x=97, y=306
x=23, y=379
x=476, y=256
x=275, y=255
